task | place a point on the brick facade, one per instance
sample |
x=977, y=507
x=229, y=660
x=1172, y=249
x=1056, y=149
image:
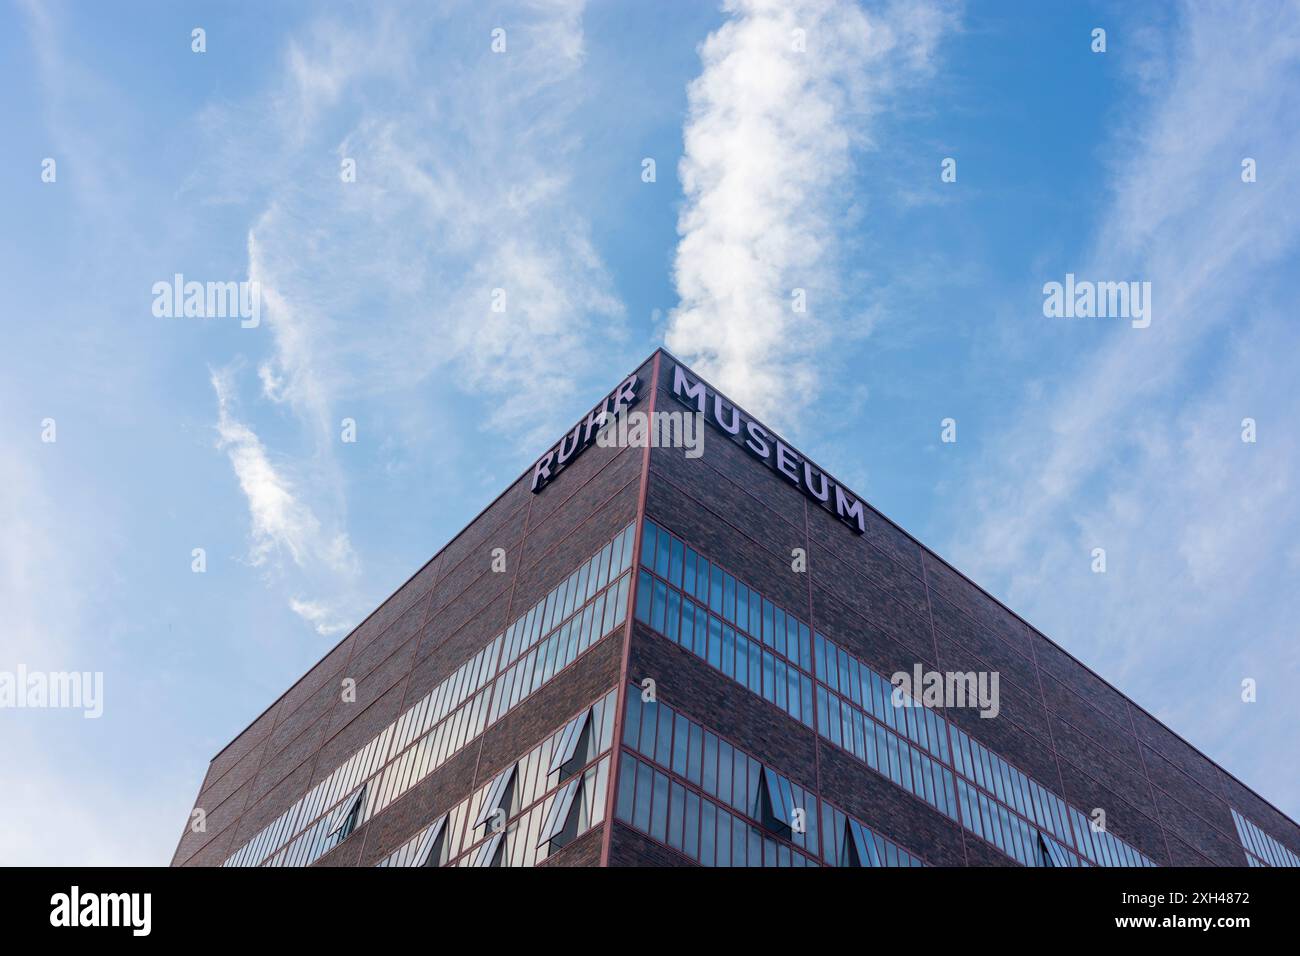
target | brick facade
x=880, y=595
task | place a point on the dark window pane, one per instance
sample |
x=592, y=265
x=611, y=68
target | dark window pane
x=644, y=589
x=681, y=737
x=674, y=615
x=691, y=839
x=664, y=743
x=675, y=816
x=659, y=815
x=659, y=608
x=675, y=564
x=728, y=664
x=632, y=718
x=626, y=788
x=708, y=832
x=662, y=548
x=644, y=786
x=695, y=755
x=710, y=777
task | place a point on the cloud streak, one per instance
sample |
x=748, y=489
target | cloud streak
x=785, y=97
x=281, y=522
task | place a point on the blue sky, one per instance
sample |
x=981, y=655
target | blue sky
x=522, y=170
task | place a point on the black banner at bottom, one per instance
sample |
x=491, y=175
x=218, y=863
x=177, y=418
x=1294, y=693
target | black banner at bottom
x=339, y=906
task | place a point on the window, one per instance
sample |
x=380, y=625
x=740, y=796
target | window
x=489, y=854
x=347, y=818
x=1051, y=852
x=570, y=752
x=429, y=852
x=859, y=846
x=498, y=796
x=775, y=803
x=561, y=824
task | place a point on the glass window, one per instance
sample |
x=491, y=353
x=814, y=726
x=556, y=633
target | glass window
x=348, y=816
x=660, y=607
x=662, y=548
x=659, y=813
x=567, y=747
x=632, y=718
x=727, y=663
x=681, y=737
x=742, y=660
x=626, y=789
x=690, y=841
x=673, y=615
x=619, y=608
x=663, y=745
x=644, y=786
x=497, y=796
x=709, y=781
x=648, y=533
x=560, y=811
x=774, y=803
x=489, y=854
x=649, y=719
x=676, y=815
x=603, y=562
x=724, y=838
x=708, y=832
x=688, y=626
x=726, y=761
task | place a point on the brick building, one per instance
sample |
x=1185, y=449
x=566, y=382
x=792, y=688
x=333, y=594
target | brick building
x=636, y=656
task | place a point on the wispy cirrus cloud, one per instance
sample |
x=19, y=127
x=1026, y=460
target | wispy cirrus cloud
x=786, y=95
x=463, y=187
x=379, y=291
x=282, y=523
x=1138, y=448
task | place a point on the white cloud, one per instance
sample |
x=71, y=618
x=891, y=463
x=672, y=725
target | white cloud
x=768, y=157
x=373, y=288
x=281, y=522
x=376, y=293
x=325, y=618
